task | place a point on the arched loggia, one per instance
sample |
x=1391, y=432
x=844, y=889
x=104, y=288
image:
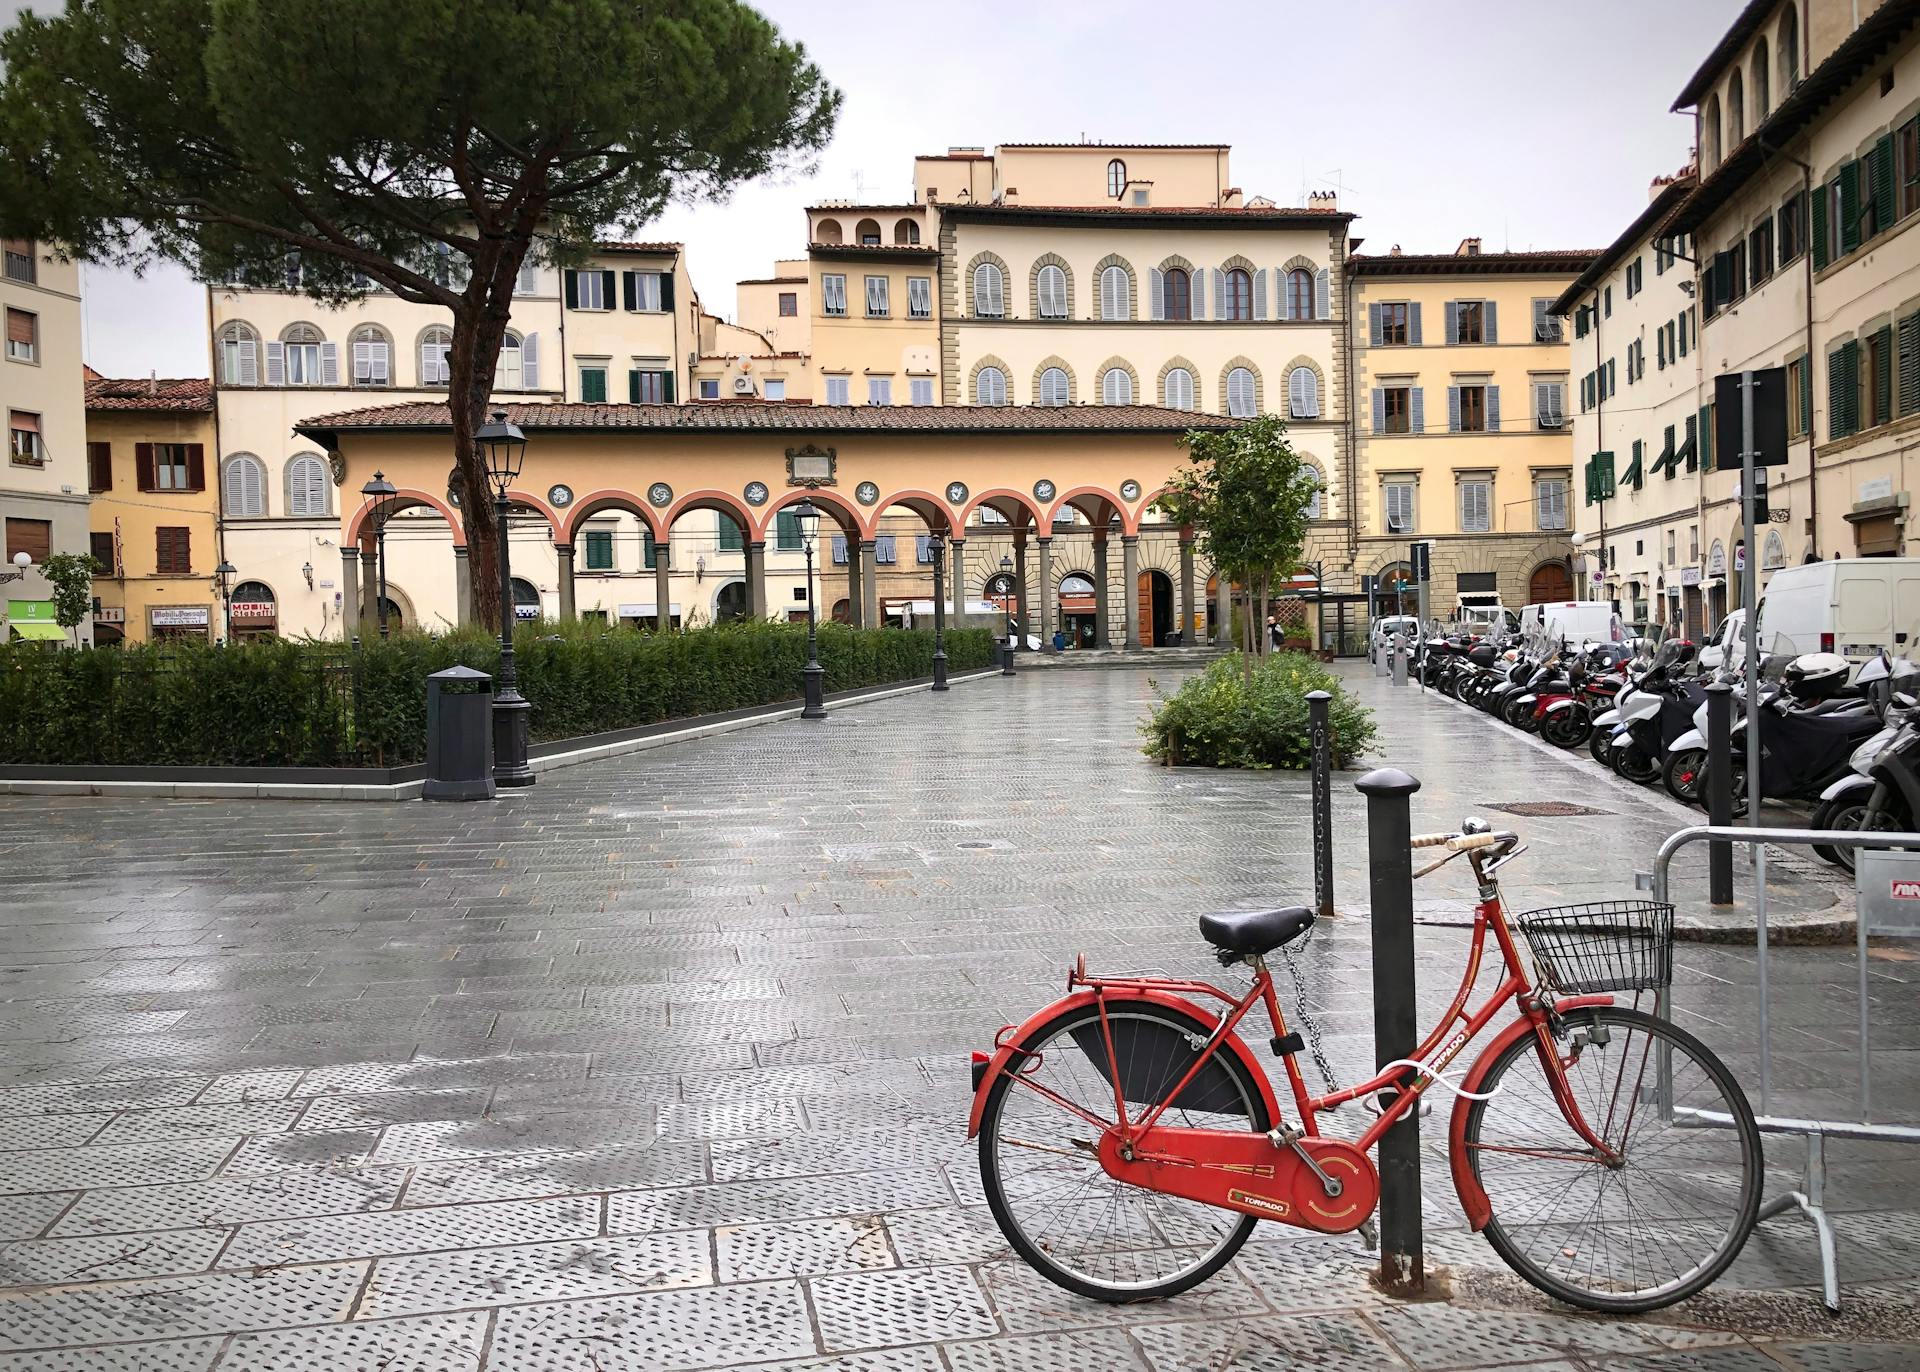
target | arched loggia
x=903, y=526
x=1005, y=514
x=1082, y=526
x=837, y=555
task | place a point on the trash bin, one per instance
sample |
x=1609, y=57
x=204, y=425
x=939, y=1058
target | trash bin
x=459, y=735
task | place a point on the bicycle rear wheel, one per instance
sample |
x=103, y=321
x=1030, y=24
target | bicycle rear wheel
x=1078, y=1227
x=1674, y=1212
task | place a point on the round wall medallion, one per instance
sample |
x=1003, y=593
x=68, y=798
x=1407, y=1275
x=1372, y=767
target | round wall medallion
x=956, y=493
x=756, y=493
x=559, y=496
x=660, y=495
x=1129, y=490
x=1043, y=489
x=866, y=493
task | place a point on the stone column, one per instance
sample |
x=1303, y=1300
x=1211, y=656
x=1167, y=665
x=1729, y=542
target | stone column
x=662, y=586
x=957, y=586
x=1046, y=595
x=462, y=587
x=1100, y=592
x=757, y=579
x=855, y=600
x=1190, y=616
x=1223, y=609
x=869, y=587
x=565, y=553
x=350, y=592
x=1130, y=585
x=1020, y=588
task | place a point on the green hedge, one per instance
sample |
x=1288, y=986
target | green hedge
x=1219, y=719
x=306, y=704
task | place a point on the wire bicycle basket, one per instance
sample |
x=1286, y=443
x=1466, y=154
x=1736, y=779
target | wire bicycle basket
x=1602, y=945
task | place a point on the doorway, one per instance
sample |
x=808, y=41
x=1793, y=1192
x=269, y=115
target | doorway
x=1155, y=596
x=1550, y=581
x=731, y=603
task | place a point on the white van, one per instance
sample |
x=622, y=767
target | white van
x=1577, y=621
x=1852, y=606
x=1728, y=644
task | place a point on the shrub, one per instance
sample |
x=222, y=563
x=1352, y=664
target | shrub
x=1220, y=719
x=293, y=703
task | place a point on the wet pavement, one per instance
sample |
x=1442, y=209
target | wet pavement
x=663, y=1064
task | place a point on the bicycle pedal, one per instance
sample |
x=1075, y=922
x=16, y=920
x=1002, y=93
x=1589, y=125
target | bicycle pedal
x=1370, y=1236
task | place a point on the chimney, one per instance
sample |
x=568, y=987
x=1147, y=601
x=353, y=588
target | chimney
x=1469, y=247
x=1231, y=198
x=153, y=383
x=1328, y=201
x=1394, y=251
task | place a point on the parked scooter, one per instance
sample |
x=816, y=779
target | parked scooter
x=1881, y=787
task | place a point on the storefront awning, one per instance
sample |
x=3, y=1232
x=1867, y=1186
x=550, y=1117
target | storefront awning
x=31, y=631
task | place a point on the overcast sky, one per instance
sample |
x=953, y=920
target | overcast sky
x=1522, y=121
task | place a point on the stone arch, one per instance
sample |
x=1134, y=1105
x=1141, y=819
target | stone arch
x=1320, y=392
x=586, y=507
x=966, y=283
x=973, y=378
x=1300, y=262
x=1774, y=552
x=934, y=512
x=1051, y=259
x=360, y=522
x=1326, y=488
x=1047, y=363
x=831, y=504
x=828, y=231
x=1097, y=503
x=868, y=227
x=1160, y=381
x=1114, y=259
x=1005, y=499
x=1133, y=379
x=1177, y=261
x=1244, y=263
x=1259, y=383
x=721, y=502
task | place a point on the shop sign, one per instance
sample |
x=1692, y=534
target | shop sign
x=1877, y=489
x=110, y=614
x=1689, y=576
x=179, y=616
x=253, y=609
x=31, y=611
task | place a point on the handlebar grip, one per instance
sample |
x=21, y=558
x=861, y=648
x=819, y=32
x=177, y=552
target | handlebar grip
x=1429, y=840
x=1467, y=842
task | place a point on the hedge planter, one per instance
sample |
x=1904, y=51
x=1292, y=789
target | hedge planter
x=1219, y=719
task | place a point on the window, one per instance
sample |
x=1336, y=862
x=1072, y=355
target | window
x=649, y=292
x=308, y=482
x=1236, y=295
x=774, y=388
x=599, y=550
x=989, y=292
x=1606, y=302
x=789, y=304
x=20, y=264
x=1910, y=364
x=732, y=538
x=883, y=550
x=1300, y=294
x=1316, y=507
x=879, y=390
x=173, y=467
x=1762, y=83
x=435, y=344
x=1177, y=290
x=1878, y=380
x=528, y=281
x=1116, y=387
x=1476, y=507
x=1636, y=274
x=878, y=306
x=649, y=386
x=239, y=348
x=907, y=231
x=1116, y=297
x=371, y=354
x=1398, y=498
x=100, y=546
x=1469, y=320
x=593, y=383
x=24, y=444
x=1240, y=397
x=589, y=290
x=1736, y=109
x=1907, y=167
x=1393, y=410
x=1793, y=228
x=1550, y=404
x=786, y=532
x=650, y=551
x=1550, y=503
x=919, y=297
x=1843, y=390
x=833, y=293
x=1547, y=326
x=1799, y=398
x=1179, y=389
x=1054, y=388
x=173, y=551
x=34, y=537
x=243, y=487
x=868, y=232
x=1469, y=409
x=1789, y=51
x=1393, y=324
x=23, y=336
x=99, y=467
x=506, y=367
x=1760, y=252
x=990, y=387
x=709, y=389
x=1116, y=178
x=1303, y=394
x=920, y=390
x=1051, y=292
x=837, y=391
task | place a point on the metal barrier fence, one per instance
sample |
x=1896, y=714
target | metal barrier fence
x=1810, y=1200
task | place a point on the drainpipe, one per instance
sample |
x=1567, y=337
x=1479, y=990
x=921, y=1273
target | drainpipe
x=219, y=482
x=1353, y=461
x=1806, y=255
x=1599, y=427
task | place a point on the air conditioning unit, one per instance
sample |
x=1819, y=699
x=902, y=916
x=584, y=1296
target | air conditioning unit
x=743, y=385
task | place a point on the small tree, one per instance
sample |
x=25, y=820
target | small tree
x=71, y=576
x=419, y=146
x=1247, y=493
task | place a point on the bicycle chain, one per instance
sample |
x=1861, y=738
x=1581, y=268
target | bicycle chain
x=1314, y=1045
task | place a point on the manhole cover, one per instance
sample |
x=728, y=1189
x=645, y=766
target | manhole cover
x=1544, y=809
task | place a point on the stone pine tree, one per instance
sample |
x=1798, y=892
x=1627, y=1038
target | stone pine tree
x=1247, y=493
x=426, y=147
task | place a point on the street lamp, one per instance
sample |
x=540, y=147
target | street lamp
x=224, y=574
x=1006, y=583
x=806, y=517
x=937, y=545
x=503, y=448
x=384, y=496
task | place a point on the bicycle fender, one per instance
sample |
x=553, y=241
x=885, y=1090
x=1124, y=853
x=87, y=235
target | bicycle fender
x=1473, y=1196
x=984, y=1077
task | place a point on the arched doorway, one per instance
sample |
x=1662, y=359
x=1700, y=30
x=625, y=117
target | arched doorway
x=1550, y=581
x=252, y=610
x=1001, y=591
x=730, y=603
x=841, y=609
x=526, y=599
x=1394, y=591
x=1155, y=599
x=1078, y=613
x=396, y=621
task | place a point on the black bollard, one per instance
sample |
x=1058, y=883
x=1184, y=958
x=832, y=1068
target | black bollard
x=1720, y=790
x=1390, y=888
x=1319, y=703
x=1006, y=658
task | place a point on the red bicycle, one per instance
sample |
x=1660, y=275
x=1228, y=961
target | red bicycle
x=1129, y=1140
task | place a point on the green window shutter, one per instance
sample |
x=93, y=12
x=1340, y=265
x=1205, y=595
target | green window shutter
x=1883, y=376
x=786, y=532
x=652, y=549
x=1849, y=208
x=1706, y=441
x=1605, y=461
x=633, y=386
x=1843, y=390
x=593, y=385
x=1882, y=187
x=731, y=539
x=666, y=387
x=1587, y=472
x=1822, y=197
x=599, y=550
x=1909, y=364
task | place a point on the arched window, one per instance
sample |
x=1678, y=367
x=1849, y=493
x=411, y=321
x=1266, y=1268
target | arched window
x=990, y=387
x=1076, y=583
x=1053, y=387
x=1710, y=133
x=867, y=231
x=307, y=485
x=1116, y=387
x=1303, y=393
x=526, y=599
x=1116, y=179
x=1789, y=45
x=1240, y=393
x=989, y=292
x=1179, y=389
x=303, y=356
x=243, y=487
x=827, y=231
x=907, y=231
x=1774, y=555
x=506, y=369
x=1736, y=109
x=1316, y=505
x=435, y=344
x=239, y=355
x=1236, y=294
x=1052, y=291
x=1116, y=297
x=1299, y=294
x=1177, y=290
x=1762, y=83
x=371, y=352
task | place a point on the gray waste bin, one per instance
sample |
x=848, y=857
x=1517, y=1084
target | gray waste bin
x=459, y=735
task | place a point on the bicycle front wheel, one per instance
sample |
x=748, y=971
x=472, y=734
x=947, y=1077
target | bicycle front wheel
x=1039, y=1162
x=1667, y=1213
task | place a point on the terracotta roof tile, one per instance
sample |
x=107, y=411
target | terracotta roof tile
x=192, y=394
x=1241, y=213
x=618, y=245
x=1467, y=264
x=910, y=249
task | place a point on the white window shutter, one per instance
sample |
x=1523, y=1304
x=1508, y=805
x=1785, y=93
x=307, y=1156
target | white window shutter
x=530, y=362
x=429, y=363
x=529, y=279
x=1379, y=410
x=1413, y=324
x=1219, y=292
x=1541, y=414
x=1492, y=321
x=1197, y=293
x=1453, y=408
x=1284, y=309
x=1493, y=409
x=1417, y=411
x=329, y=364
x=362, y=362
x=1453, y=323
x=1322, y=294
x=1375, y=327
x=249, y=362
x=1157, y=285
x=1540, y=320
x=276, y=363
x=1260, y=293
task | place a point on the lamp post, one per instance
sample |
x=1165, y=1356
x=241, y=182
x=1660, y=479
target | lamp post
x=383, y=495
x=1006, y=646
x=503, y=448
x=937, y=545
x=224, y=574
x=807, y=518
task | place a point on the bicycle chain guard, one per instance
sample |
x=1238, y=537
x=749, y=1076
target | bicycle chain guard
x=1238, y=1170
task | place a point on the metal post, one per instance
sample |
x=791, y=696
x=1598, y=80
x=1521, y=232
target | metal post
x=1397, y=652
x=1006, y=651
x=510, y=709
x=1390, y=888
x=380, y=539
x=1720, y=790
x=937, y=546
x=1318, y=706
x=812, y=691
x=1747, y=601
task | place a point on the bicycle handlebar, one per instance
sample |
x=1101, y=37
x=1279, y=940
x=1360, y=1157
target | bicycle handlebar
x=1462, y=843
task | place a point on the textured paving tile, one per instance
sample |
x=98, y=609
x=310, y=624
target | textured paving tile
x=115, y=1257
x=164, y=1355
x=745, y=1202
x=178, y=1307
x=874, y=1309
x=1271, y=1343
x=557, y=1174
x=709, y=1327
x=523, y=1273
x=117, y=1165
x=234, y=1200
x=322, y=1237
x=437, y=1343
x=802, y=1248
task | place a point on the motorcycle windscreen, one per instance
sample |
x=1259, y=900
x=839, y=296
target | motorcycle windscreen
x=1803, y=750
x=1152, y=1057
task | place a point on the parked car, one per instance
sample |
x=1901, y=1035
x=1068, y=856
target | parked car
x=1728, y=644
x=1386, y=626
